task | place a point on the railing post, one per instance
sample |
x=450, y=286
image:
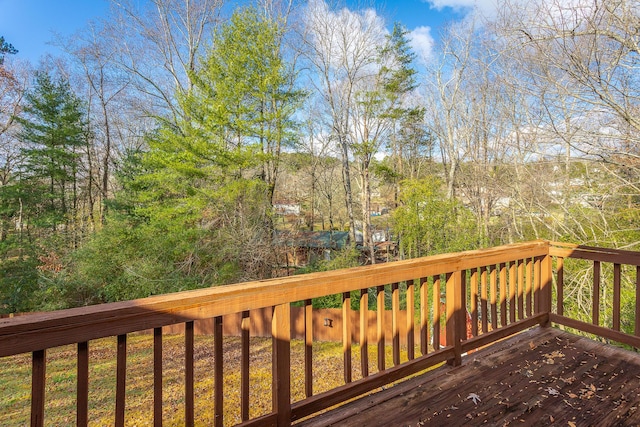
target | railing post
x=346, y=335
x=245, y=327
x=455, y=315
x=281, y=331
x=189, y=395
x=121, y=376
x=218, y=372
x=364, y=332
x=560, y=286
x=82, y=384
x=308, y=348
x=38, y=375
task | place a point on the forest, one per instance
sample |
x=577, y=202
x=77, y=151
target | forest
x=151, y=155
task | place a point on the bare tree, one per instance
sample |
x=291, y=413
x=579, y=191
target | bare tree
x=342, y=48
x=577, y=71
x=159, y=44
x=14, y=79
x=106, y=86
x=585, y=52
x=449, y=95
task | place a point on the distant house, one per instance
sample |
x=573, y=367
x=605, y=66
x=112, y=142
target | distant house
x=385, y=248
x=287, y=208
x=303, y=247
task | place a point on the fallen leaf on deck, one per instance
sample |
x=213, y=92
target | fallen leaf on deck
x=474, y=397
x=552, y=391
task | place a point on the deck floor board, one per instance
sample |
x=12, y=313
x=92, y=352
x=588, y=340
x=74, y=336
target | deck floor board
x=540, y=377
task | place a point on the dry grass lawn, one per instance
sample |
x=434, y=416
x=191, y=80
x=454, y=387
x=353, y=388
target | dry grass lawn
x=15, y=380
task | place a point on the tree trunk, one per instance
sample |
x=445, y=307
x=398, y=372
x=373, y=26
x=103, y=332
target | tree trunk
x=367, y=238
x=348, y=196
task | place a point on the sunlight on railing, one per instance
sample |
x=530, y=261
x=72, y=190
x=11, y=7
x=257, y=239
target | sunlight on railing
x=396, y=320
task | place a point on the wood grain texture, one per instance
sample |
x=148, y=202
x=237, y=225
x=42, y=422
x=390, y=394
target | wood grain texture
x=121, y=380
x=505, y=290
x=157, y=377
x=22, y=334
x=82, y=388
x=38, y=375
x=539, y=377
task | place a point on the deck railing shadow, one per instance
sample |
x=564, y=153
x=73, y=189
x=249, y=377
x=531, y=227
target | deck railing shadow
x=473, y=298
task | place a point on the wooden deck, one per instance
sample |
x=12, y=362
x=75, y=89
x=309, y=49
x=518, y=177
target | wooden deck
x=539, y=377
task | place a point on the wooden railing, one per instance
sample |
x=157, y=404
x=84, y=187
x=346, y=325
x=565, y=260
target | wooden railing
x=604, y=282
x=474, y=298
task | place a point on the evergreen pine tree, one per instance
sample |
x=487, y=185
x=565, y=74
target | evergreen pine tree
x=53, y=127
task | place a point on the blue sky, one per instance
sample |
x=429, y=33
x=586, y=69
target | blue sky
x=30, y=24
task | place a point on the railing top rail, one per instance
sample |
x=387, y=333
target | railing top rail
x=45, y=330
x=618, y=256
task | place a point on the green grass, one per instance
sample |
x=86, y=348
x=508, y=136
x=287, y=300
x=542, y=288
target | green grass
x=15, y=380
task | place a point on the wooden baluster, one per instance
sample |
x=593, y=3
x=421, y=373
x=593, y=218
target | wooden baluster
x=424, y=316
x=529, y=286
x=121, y=377
x=512, y=291
x=395, y=326
x=494, y=297
x=546, y=284
x=281, y=394
x=521, y=290
x=436, y=312
x=474, y=302
x=188, y=375
x=595, y=309
x=536, y=285
x=245, y=327
x=380, y=326
x=456, y=315
x=637, y=322
x=157, y=377
x=462, y=313
x=616, y=297
x=450, y=307
x=560, y=287
x=484, y=307
x=82, y=389
x=410, y=322
x=308, y=348
x=218, y=372
x=346, y=335
x=38, y=380
x=504, y=290
x=364, y=332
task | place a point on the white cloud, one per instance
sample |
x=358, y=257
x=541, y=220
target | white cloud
x=483, y=6
x=422, y=43
x=344, y=37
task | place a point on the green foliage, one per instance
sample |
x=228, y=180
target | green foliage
x=244, y=94
x=399, y=76
x=126, y=262
x=38, y=201
x=346, y=258
x=195, y=208
x=18, y=278
x=6, y=49
x=427, y=223
x=53, y=129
